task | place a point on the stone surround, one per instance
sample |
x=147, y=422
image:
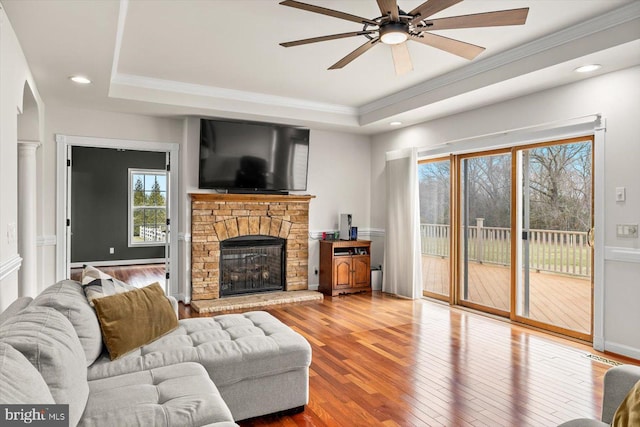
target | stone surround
x=217, y=217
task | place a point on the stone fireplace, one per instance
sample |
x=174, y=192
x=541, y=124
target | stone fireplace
x=220, y=220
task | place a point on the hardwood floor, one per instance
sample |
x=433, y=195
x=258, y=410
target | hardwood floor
x=383, y=361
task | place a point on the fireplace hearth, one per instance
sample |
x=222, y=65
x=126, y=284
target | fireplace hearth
x=252, y=264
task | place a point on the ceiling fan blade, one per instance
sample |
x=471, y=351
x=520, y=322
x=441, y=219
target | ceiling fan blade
x=356, y=53
x=487, y=19
x=456, y=47
x=430, y=8
x=389, y=7
x=328, y=12
x=325, y=38
x=401, y=58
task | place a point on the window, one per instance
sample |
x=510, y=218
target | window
x=147, y=207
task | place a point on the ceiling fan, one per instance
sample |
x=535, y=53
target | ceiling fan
x=394, y=27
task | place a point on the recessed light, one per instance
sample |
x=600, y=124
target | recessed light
x=588, y=68
x=395, y=123
x=80, y=80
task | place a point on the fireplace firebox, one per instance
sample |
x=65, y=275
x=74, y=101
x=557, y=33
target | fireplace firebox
x=252, y=264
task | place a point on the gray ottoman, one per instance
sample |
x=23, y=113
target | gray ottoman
x=259, y=365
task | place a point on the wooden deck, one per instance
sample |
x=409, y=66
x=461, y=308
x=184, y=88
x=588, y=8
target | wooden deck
x=555, y=299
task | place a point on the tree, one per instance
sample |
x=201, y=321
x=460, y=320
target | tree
x=138, y=200
x=488, y=192
x=157, y=218
x=434, y=184
x=560, y=187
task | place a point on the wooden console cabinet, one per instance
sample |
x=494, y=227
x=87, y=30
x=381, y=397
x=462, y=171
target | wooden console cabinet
x=345, y=266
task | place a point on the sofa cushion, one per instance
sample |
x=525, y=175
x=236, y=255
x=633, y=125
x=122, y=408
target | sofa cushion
x=135, y=318
x=68, y=298
x=98, y=284
x=14, y=308
x=48, y=340
x=231, y=347
x=20, y=381
x=180, y=395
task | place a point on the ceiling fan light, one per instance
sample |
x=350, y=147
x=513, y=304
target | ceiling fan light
x=394, y=33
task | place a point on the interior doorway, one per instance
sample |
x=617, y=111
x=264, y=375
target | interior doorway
x=65, y=194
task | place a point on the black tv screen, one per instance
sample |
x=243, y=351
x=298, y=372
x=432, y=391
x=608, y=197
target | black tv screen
x=251, y=156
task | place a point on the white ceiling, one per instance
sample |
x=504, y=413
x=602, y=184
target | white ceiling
x=222, y=58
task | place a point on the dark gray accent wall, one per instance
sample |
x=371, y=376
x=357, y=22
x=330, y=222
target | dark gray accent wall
x=99, y=203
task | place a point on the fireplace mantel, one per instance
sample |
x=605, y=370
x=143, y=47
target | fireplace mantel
x=217, y=217
x=215, y=197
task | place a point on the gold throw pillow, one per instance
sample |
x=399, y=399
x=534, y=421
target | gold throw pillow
x=628, y=413
x=135, y=318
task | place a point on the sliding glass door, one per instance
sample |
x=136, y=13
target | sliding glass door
x=554, y=256
x=509, y=232
x=485, y=231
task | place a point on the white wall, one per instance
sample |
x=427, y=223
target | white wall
x=339, y=172
x=617, y=97
x=14, y=74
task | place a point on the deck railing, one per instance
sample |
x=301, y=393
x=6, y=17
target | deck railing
x=564, y=252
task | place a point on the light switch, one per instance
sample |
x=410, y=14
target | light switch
x=621, y=194
x=627, y=230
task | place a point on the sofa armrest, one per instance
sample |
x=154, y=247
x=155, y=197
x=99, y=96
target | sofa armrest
x=174, y=304
x=617, y=383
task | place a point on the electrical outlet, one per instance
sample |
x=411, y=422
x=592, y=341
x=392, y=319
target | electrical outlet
x=112, y=251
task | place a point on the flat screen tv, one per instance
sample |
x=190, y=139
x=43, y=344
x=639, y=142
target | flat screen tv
x=252, y=157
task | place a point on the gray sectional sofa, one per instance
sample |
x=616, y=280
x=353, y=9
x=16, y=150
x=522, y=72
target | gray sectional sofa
x=209, y=371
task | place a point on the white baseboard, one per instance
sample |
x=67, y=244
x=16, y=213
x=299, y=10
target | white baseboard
x=10, y=266
x=622, y=349
x=314, y=287
x=119, y=262
x=598, y=343
x=179, y=297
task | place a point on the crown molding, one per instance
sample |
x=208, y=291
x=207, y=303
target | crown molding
x=230, y=94
x=593, y=26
